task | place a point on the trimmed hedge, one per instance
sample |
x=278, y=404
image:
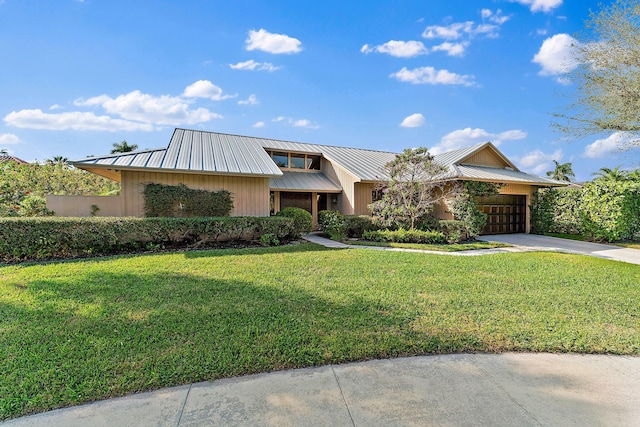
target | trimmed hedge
x=302, y=219
x=404, y=236
x=357, y=224
x=455, y=231
x=29, y=239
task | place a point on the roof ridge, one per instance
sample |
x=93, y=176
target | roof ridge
x=288, y=141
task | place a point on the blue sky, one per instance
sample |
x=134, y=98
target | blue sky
x=78, y=76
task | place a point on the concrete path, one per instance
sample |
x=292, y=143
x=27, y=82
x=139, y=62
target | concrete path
x=545, y=243
x=509, y=389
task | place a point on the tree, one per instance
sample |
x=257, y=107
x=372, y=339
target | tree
x=562, y=172
x=4, y=152
x=414, y=187
x=123, y=147
x=611, y=175
x=607, y=76
x=58, y=160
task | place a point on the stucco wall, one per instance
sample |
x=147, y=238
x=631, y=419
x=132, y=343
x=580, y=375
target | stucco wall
x=82, y=205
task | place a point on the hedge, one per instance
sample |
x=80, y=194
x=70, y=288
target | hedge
x=404, y=236
x=181, y=201
x=28, y=239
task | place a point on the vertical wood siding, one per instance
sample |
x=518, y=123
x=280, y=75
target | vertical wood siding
x=485, y=157
x=250, y=195
x=362, y=197
x=346, y=202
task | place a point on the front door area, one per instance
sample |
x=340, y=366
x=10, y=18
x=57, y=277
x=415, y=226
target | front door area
x=505, y=213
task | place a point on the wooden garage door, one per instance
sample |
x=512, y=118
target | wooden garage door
x=506, y=214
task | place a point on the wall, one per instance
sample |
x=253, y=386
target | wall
x=362, y=198
x=521, y=189
x=346, y=202
x=486, y=157
x=81, y=205
x=250, y=194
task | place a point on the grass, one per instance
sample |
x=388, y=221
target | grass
x=77, y=331
x=435, y=246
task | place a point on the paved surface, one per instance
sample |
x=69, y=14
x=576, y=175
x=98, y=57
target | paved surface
x=509, y=389
x=545, y=243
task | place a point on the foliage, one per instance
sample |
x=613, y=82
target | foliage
x=19, y=181
x=613, y=175
x=413, y=189
x=23, y=239
x=182, y=201
x=269, y=239
x=568, y=207
x=302, y=219
x=358, y=224
x=464, y=206
x=543, y=208
x=562, y=172
x=455, y=231
x=146, y=322
x=123, y=147
x=333, y=224
x=404, y=236
x=607, y=75
x=610, y=210
x=33, y=205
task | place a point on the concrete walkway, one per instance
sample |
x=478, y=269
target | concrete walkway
x=519, y=242
x=509, y=389
x=546, y=243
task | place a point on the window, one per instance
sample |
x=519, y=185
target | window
x=297, y=161
x=313, y=162
x=281, y=159
x=376, y=195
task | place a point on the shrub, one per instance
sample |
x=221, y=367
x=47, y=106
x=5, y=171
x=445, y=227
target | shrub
x=33, y=205
x=269, y=239
x=454, y=231
x=566, y=217
x=404, y=236
x=23, y=239
x=302, y=219
x=358, y=224
x=181, y=201
x=543, y=208
x=610, y=210
x=333, y=224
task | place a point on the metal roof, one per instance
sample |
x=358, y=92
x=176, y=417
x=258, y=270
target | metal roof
x=304, y=181
x=205, y=152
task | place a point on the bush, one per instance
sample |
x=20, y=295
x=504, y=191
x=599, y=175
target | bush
x=23, y=239
x=454, y=231
x=610, y=211
x=404, y=236
x=358, y=224
x=302, y=219
x=333, y=224
x=269, y=239
x=181, y=201
x=543, y=208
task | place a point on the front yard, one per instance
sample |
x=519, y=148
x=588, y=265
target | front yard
x=76, y=331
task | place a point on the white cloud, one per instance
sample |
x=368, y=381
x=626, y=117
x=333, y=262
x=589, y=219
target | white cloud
x=557, y=56
x=496, y=17
x=252, y=100
x=399, y=49
x=252, y=65
x=539, y=5
x=56, y=107
x=9, y=139
x=304, y=123
x=205, y=89
x=612, y=143
x=466, y=137
x=413, y=121
x=258, y=125
x=36, y=119
x=538, y=162
x=452, y=49
x=429, y=75
x=272, y=43
x=158, y=110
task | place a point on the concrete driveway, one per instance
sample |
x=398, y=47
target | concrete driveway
x=545, y=243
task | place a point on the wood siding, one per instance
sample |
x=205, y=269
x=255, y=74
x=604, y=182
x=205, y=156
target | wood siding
x=346, y=200
x=250, y=195
x=69, y=206
x=485, y=157
x=362, y=197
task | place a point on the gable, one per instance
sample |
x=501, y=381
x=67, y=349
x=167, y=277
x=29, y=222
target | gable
x=487, y=156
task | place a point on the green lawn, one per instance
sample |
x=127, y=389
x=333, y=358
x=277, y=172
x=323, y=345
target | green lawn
x=72, y=332
x=435, y=246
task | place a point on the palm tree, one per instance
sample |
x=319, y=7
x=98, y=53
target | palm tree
x=4, y=152
x=58, y=160
x=562, y=172
x=612, y=175
x=634, y=175
x=123, y=147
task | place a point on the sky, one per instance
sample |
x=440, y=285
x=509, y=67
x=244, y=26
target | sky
x=78, y=76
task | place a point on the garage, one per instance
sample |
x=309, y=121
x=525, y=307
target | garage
x=505, y=213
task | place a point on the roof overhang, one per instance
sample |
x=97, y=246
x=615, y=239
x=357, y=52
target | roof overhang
x=305, y=182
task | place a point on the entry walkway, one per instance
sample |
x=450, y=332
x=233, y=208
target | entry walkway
x=511, y=389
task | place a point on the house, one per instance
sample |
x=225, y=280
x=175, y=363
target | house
x=266, y=175
x=7, y=158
